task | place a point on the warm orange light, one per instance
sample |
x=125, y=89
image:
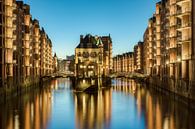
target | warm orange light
x=179, y=59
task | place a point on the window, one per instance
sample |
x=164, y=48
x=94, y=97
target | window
x=1, y=9
x=85, y=54
x=1, y=57
x=93, y=54
x=79, y=54
x=1, y=42
x=1, y=75
x=1, y=30
x=1, y=19
x=27, y=30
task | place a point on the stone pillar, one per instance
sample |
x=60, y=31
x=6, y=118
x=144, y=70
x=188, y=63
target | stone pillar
x=176, y=70
x=9, y=75
x=171, y=69
x=184, y=69
x=191, y=70
x=193, y=29
x=28, y=71
x=157, y=70
x=192, y=62
x=179, y=70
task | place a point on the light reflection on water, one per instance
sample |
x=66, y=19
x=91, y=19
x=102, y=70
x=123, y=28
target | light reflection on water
x=126, y=105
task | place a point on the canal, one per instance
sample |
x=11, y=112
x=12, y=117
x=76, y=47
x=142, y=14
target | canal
x=125, y=105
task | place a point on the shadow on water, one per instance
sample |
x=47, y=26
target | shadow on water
x=126, y=105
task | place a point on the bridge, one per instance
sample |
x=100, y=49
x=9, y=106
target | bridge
x=58, y=75
x=81, y=84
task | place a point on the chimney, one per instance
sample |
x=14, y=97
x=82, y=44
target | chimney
x=81, y=38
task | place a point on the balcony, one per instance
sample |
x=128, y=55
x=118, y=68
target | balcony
x=9, y=56
x=172, y=45
x=14, y=26
x=184, y=26
x=181, y=1
x=14, y=47
x=26, y=45
x=172, y=36
x=26, y=37
x=187, y=24
x=184, y=12
x=179, y=26
x=172, y=61
x=179, y=12
x=14, y=61
x=150, y=57
x=188, y=39
x=36, y=47
x=14, y=6
x=186, y=57
x=27, y=52
x=173, y=25
x=14, y=16
x=14, y=37
x=36, y=51
x=172, y=48
x=158, y=53
x=167, y=14
x=36, y=56
x=167, y=25
x=8, y=44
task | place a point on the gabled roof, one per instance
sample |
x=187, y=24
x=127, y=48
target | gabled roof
x=88, y=41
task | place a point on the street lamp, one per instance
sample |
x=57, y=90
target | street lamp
x=167, y=62
x=179, y=59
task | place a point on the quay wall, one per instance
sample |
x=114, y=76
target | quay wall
x=184, y=90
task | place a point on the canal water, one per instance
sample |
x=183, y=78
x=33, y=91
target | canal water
x=125, y=105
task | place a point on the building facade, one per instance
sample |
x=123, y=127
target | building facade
x=7, y=37
x=138, y=57
x=25, y=54
x=130, y=62
x=146, y=52
x=167, y=54
x=107, y=55
x=55, y=63
x=124, y=63
x=46, y=54
x=169, y=44
x=89, y=57
x=66, y=66
x=93, y=56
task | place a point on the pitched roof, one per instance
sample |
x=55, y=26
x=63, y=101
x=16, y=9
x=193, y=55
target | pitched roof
x=88, y=42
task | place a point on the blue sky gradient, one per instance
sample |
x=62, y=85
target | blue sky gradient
x=66, y=20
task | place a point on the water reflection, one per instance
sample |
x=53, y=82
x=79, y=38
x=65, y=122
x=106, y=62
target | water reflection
x=93, y=110
x=127, y=104
x=29, y=111
x=125, y=85
x=160, y=110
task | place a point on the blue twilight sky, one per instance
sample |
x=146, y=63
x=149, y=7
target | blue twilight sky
x=66, y=20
